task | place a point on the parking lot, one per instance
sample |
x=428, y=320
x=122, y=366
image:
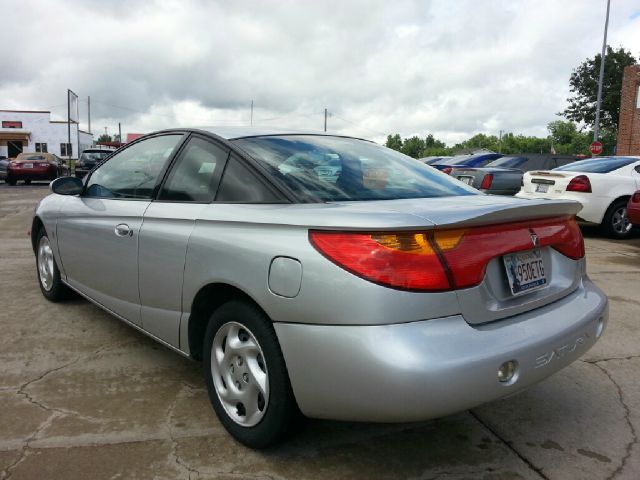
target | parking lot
x=84, y=396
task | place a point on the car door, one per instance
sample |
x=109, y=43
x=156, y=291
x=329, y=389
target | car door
x=98, y=230
x=168, y=223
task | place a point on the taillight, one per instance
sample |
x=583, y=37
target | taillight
x=447, y=170
x=486, y=181
x=439, y=260
x=580, y=183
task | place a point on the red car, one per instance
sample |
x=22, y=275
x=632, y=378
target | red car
x=633, y=209
x=34, y=166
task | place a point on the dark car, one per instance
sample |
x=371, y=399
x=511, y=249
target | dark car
x=633, y=209
x=477, y=160
x=35, y=166
x=432, y=160
x=90, y=158
x=504, y=175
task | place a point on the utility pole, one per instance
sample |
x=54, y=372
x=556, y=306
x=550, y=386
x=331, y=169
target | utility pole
x=500, y=142
x=596, y=128
x=119, y=132
x=325, y=119
x=68, y=126
x=251, y=113
x=89, y=111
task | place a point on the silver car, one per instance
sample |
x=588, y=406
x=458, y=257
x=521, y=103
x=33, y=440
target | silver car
x=384, y=292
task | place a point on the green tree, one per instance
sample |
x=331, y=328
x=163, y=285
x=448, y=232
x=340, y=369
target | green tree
x=105, y=138
x=413, y=146
x=584, y=86
x=394, y=142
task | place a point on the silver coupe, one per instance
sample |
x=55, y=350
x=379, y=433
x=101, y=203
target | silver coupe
x=321, y=275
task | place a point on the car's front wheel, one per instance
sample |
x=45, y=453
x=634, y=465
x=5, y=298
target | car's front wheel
x=48, y=274
x=247, y=377
x=615, y=223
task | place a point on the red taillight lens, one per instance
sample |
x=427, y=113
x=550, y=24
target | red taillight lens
x=580, y=183
x=447, y=170
x=440, y=260
x=486, y=181
x=401, y=260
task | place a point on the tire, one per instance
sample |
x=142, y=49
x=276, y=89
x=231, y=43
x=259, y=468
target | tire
x=27, y=182
x=615, y=223
x=49, y=280
x=247, y=355
x=10, y=181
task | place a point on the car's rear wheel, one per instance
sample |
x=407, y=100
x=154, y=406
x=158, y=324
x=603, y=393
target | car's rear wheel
x=615, y=223
x=246, y=376
x=10, y=181
x=27, y=182
x=48, y=274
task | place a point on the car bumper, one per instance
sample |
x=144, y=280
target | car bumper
x=593, y=208
x=29, y=174
x=420, y=370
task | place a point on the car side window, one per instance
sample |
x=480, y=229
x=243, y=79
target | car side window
x=133, y=172
x=241, y=185
x=195, y=175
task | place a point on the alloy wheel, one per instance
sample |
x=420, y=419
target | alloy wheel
x=619, y=221
x=45, y=263
x=239, y=373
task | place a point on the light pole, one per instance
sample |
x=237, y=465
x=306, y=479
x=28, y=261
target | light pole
x=596, y=127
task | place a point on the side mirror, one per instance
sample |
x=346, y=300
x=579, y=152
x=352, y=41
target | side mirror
x=66, y=186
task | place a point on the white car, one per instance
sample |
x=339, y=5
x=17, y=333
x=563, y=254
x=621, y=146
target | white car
x=602, y=185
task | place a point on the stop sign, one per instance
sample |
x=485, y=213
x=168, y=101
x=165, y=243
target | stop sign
x=595, y=148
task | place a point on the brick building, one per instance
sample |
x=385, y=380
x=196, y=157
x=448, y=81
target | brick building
x=629, y=123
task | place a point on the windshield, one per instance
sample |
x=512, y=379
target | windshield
x=598, y=165
x=94, y=156
x=325, y=169
x=507, y=162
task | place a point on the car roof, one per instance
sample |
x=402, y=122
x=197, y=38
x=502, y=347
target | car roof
x=232, y=133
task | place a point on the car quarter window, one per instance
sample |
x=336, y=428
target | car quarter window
x=133, y=172
x=240, y=185
x=195, y=175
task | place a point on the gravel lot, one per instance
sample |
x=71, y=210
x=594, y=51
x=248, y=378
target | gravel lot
x=84, y=396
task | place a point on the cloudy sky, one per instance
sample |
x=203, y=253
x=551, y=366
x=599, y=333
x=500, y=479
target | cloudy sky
x=451, y=68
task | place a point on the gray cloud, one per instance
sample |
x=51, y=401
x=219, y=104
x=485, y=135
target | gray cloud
x=451, y=68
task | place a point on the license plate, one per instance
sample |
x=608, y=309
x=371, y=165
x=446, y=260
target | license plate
x=541, y=188
x=525, y=271
x=467, y=180
x=27, y=165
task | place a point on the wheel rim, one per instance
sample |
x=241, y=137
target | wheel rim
x=240, y=374
x=620, y=222
x=45, y=263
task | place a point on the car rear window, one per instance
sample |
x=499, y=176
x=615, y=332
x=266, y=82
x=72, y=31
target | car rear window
x=325, y=168
x=507, y=162
x=598, y=165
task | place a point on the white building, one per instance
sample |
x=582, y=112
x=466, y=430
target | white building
x=34, y=131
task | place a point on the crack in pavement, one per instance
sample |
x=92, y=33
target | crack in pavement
x=627, y=413
x=608, y=359
x=510, y=446
x=182, y=466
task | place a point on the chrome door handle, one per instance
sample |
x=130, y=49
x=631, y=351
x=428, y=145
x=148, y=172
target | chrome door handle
x=123, y=230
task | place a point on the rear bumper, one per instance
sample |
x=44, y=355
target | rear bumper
x=426, y=369
x=32, y=174
x=593, y=208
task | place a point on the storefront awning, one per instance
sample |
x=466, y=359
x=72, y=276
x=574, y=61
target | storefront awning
x=10, y=134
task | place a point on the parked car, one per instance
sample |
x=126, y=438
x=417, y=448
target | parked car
x=601, y=185
x=431, y=160
x=633, y=209
x=391, y=293
x=478, y=160
x=35, y=166
x=504, y=175
x=89, y=158
x=4, y=163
